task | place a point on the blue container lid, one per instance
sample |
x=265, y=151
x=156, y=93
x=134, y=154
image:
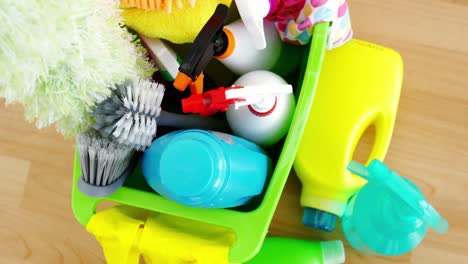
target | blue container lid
x=390, y=214
x=192, y=168
x=319, y=219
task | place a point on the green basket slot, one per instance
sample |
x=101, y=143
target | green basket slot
x=250, y=227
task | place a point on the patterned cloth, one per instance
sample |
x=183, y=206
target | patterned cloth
x=299, y=31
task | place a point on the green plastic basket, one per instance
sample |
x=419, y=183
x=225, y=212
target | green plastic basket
x=250, y=227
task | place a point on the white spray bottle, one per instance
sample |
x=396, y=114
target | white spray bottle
x=259, y=106
x=264, y=120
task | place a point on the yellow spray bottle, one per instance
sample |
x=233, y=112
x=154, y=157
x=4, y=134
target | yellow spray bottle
x=359, y=86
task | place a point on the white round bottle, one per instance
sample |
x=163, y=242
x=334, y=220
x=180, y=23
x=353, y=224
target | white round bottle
x=266, y=121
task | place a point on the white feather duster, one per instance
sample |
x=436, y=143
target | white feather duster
x=59, y=58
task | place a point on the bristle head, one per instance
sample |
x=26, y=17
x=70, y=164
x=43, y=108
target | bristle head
x=102, y=160
x=132, y=106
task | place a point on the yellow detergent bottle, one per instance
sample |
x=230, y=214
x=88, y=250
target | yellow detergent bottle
x=359, y=86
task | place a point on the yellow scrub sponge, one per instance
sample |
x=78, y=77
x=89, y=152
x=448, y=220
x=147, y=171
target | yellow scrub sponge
x=179, y=26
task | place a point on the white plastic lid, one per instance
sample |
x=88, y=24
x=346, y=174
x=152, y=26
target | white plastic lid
x=252, y=14
x=333, y=252
x=264, y=104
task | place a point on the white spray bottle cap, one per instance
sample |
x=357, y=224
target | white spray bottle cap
x=260, y=95
x=252, y=14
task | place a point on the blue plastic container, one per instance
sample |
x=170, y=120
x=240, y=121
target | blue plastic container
x=205, y=168
x=389, y=216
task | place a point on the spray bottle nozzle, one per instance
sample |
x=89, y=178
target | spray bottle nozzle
x=401, y=190
x=209, y=42
x=207, y=103
x=220, y=99
x=252, y=14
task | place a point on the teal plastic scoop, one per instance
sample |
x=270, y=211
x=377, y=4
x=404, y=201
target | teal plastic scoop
x=389, y=215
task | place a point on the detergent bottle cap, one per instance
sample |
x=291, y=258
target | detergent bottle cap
x=399, y=210
x=333, y=252
x=252, y=14
x=319, y=219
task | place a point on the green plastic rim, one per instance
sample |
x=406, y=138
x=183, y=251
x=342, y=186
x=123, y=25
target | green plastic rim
x=250, y=227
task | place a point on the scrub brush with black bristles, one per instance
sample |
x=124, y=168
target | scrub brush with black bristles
x=133, y=111
x=105, y=164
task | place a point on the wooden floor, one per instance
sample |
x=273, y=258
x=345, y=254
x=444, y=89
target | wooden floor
x=430, y=146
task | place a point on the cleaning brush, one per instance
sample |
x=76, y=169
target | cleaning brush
x=158, y=4
x=105, y=164
x=131, y=114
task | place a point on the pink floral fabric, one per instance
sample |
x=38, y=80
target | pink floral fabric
x=299, y=30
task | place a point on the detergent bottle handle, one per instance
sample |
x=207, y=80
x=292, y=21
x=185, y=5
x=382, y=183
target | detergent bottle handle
x=384, y=123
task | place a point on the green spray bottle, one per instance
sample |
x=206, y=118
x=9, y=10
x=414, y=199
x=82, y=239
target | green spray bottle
x=280, y=250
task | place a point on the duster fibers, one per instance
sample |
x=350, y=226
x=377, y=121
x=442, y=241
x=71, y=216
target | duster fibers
x=59, y=58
